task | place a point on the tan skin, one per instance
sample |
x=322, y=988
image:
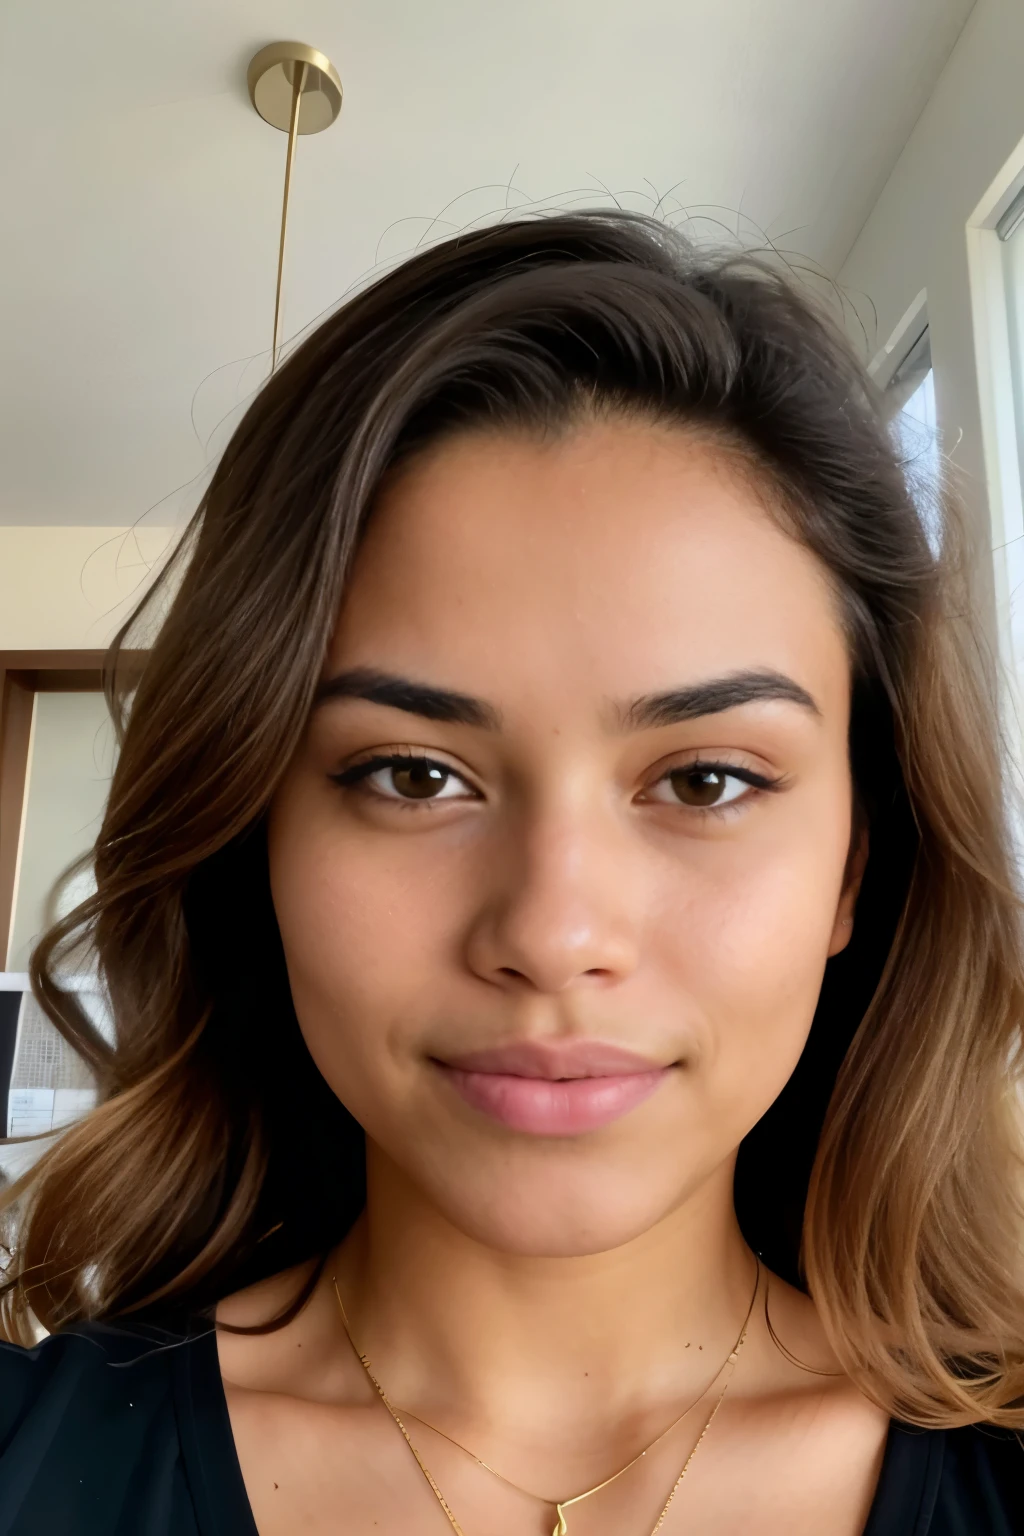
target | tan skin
x=554, y=1301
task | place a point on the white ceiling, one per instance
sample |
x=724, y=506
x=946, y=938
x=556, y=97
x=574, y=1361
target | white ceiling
x=140, y=193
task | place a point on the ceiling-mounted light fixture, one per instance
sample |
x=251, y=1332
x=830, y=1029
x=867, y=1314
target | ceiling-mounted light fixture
x=295, y=88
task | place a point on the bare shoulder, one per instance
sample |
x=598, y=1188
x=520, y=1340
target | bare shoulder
x=301, y=1358
x=793, y=1372
x=799, y=1435
x=793, y=1336
x=797, y=1380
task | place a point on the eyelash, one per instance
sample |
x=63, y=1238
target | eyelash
x=349, y=778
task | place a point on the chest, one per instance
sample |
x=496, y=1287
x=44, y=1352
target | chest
x=329, y=1471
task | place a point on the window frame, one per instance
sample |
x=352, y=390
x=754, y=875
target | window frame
x=985, y=233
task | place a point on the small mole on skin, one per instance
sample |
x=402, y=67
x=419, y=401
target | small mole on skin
x=275, y=1485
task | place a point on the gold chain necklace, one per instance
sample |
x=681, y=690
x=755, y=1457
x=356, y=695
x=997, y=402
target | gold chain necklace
x=561, y=1528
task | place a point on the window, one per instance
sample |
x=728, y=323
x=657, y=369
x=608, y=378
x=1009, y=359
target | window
x=911, y=397
x=1010, y=230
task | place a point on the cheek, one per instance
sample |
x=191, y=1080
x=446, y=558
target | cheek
x=749, y=959
x=363, y=932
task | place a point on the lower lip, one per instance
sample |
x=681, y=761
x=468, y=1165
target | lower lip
x=541, y=1107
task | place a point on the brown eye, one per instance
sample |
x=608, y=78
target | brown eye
x=403, y=779
x=419, y=779
x=703, y=786
x=699, y=786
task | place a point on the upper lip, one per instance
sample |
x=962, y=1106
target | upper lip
x=554, y=1059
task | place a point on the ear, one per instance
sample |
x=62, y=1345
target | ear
x=853, y=875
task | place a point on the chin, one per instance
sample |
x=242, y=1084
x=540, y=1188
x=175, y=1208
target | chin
x=555, y=1217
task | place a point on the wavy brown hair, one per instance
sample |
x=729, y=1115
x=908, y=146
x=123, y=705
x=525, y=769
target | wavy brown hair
x=886, y=1177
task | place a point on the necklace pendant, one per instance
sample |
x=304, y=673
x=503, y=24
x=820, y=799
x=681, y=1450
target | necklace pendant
x=561, y=1529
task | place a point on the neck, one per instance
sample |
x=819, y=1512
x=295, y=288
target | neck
x=446, y=1320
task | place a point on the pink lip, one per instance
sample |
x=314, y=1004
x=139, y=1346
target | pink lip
x=554, y=1088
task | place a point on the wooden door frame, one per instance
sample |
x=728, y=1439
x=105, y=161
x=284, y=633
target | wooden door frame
x=23, y=674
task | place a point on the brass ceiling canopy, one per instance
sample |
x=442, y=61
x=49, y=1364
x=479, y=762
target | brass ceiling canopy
x=271, y=79
x=295, y=88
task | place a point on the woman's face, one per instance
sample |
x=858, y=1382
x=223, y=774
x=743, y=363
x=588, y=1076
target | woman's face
x=563, y=955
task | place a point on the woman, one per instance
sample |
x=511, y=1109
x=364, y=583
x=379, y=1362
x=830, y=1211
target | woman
x=557, y=911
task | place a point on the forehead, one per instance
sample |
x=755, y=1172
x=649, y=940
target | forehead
x=618, y=557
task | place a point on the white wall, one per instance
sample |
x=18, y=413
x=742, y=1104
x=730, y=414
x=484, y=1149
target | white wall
x=69, y=588
x=916, y=236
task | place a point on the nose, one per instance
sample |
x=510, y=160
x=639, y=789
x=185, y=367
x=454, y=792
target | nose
x=559, y=907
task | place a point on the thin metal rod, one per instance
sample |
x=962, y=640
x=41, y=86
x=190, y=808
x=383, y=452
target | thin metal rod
x=293, y=133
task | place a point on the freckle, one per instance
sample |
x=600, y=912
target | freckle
x=700, y=1346
x=275, y=1485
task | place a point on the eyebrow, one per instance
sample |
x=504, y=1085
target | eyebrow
x=676, y=705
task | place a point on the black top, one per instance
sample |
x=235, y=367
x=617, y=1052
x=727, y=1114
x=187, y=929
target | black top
x=110, y=1431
